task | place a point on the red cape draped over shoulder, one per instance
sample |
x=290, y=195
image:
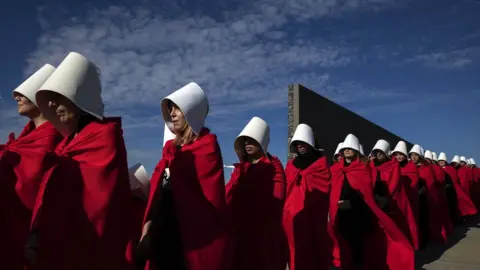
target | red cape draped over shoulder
x=465, y=204
x=436, y=214
x=440, y=176
x=409, y=174
x=305, y=216
x=476, y=186
x=466, y=179
x=81, y=216
x=198, y=188
x=21, y=172
x=255, y=197
x=138, y=211
x=398, y=207
x=387, y=247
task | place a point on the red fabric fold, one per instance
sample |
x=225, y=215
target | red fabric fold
x=465, y=205
x=81, y=216
x=21, y=172
x=136, y=221
x=305, y=216
x=398, y=207
x=198, y=188
x=465, y=178
x=387, y=247
x=409, y=175
x=255, y=197
x=476, y=186
x=438, y=217
x=440, y=176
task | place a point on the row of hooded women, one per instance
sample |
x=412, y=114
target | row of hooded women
x=69, y=201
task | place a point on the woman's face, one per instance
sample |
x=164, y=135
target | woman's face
x=415, y=157
x=380, y=155
x=177, y=117
x=24, y=105
x=442, y=163
x=400, y=157
x=302, y=148
x=349, y=153
x=252, y=148
x=66, y=111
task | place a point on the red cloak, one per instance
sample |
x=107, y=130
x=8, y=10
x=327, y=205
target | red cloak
x=387, y=247
x=440, y=176
x=256, y=196
x=136, y=221
x=398, y=207
x=21, y=172
x=198, y=187
x=81, y=216
x=305, y=216
x=465, y=204
x=476, y=186
x=437, y=226
x=465, y=177
x=409, y=175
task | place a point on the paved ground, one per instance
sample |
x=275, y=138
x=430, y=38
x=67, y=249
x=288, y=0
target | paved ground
x=462, y=253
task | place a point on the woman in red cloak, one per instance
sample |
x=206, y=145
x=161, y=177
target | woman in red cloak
x=22, y=170
x=337, y=156
x=255, y=197
x=81, y=215
x=306, y=206
x=364, y=236
x=431, y=217
x=460, y=204
x=464, y=175
x=391, y=186
x=185, y=224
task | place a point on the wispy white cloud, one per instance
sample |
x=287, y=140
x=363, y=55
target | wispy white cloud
x=449, y=60
x=244, y=58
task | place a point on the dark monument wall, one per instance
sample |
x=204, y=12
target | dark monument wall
x=332, y=122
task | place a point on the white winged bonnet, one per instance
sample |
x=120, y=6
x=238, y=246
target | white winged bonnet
x=401, y=147
x=30, y=86
x=351, y=141
x=193, y=103
x=303, y=133
x=258, y=130
x=78, y=80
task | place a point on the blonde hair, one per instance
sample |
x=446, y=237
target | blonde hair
x=187, y=136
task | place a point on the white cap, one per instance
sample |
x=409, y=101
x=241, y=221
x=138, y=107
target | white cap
x=456, y=159
x=337, y=151
x=77, y=79
x=442, y=156
x=256, y=129
x=417, y=149
x=469, y=162
x=167, y=135
x=303, y=133
x=192, y=101
x=464, y=159
x=401, y=147
x=434, y=156
x=473, y=161
x=428, y=154
x=139, y=178
x=31, y=85
x=351, y=141
x=361, y=150
x=383, y=146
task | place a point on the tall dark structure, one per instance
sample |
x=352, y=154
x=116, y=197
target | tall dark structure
x=332, y=122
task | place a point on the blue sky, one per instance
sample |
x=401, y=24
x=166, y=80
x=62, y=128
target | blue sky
x=410, y=66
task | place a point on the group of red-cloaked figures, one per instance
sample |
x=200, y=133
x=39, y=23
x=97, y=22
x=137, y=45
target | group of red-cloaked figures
x=69, y=201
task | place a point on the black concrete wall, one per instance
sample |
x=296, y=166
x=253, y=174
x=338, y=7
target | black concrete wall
x=332, y=122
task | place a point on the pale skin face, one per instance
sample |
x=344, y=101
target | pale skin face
x=442, y=163
x=380, y=156
x=178, y=118
x=349, y=154
x=400, y=157
x=463, y=163
x=253, y=149
x=416, y=158
x=66, y=111
x=25, y=106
